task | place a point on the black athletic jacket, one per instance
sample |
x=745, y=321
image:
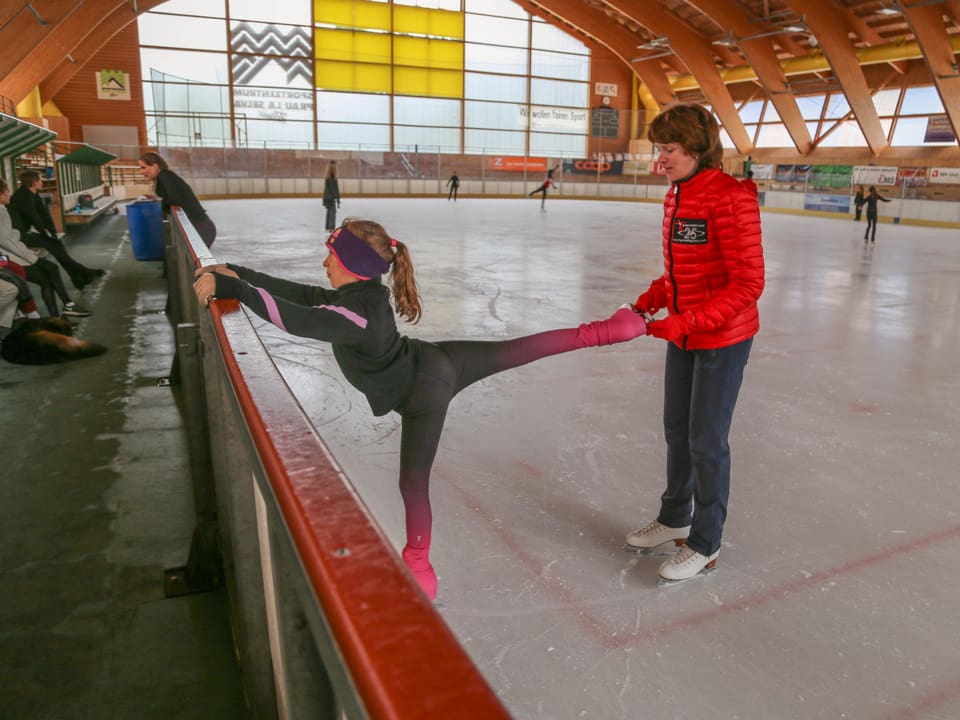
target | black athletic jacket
x=357, y=319
x=28, y=209
x=173, y=190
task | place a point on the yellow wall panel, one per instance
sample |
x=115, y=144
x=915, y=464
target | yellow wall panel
x=333, y=12
x=352, y=14
x=372, y=15
x=446, y=83
x=333, y=75
x=411, y=51
x=428, y=83
x=446, y=54
x=371, y=47
x=372, y=78
x=424, y=21
x=333, y=44
x=411, y=81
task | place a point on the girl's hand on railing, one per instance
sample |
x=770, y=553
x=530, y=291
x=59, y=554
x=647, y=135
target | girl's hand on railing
x=205, y=287
x=218, y=268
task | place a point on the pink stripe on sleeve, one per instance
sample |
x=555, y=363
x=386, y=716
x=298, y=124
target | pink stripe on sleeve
x=272, y=310
x=357, y=320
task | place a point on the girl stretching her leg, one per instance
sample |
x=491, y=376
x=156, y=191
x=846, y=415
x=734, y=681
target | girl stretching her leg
x=415, y=378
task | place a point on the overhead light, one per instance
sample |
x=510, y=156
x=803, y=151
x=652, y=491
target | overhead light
x=730, y=40
x=656, y=43
x=888, y=11
x=727, y=41
x=666, y=53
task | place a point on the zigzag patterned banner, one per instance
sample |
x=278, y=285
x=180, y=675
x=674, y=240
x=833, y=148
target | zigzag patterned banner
x=289, y=47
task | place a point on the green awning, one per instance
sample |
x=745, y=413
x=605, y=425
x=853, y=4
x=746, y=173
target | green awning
x=18, y=136
x=87, y=155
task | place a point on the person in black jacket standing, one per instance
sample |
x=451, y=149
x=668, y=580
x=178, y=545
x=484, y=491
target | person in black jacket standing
x=454, y=184
x=415, y=378
x=871, y=202
x=31, y=216
x=331, y=195
x=174, y=190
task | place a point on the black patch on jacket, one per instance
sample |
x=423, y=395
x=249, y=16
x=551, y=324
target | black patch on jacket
x=690, y=231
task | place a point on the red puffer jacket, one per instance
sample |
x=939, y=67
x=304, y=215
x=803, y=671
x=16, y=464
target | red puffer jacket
x=713, y=261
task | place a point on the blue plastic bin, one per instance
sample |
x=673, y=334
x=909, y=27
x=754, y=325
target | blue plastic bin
x=146, y=230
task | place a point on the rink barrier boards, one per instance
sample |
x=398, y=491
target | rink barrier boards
x=327, y=621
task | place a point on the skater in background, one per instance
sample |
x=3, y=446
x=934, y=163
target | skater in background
x=713, y=276
x=749, y=184
x=871, y=202
x=858, y=202
x=454, y=184
x=546, y=185
x=415, y=378
x=331, y=195
x=174, y=190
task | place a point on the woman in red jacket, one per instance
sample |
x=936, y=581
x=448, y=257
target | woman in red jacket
x=713, y=276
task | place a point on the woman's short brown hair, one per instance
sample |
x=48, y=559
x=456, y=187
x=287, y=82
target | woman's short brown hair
x=692, y=127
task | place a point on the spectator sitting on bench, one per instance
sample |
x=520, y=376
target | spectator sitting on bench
x=13, y=275
x=28, y=210
x=38, y=270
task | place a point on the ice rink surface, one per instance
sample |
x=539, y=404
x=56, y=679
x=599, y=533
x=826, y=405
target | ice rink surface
x=835, y=593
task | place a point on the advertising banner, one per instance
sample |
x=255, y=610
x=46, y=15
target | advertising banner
x=762, y=171
x=593, y=167
x=874, y=175
x=912, y=176
x=509, y=163
x=792, y=173
x=553, y=118
x=827, y=203
x=939, y=130
x=831, y=176
x=945, y=176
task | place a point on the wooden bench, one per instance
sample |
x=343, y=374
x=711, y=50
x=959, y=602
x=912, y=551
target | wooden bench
x=101, y=205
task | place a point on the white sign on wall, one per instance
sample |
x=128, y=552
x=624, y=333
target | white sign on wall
x=609, y=89
x=949, y=176
x=874, y=175
x=113, y=85
x=553, y=118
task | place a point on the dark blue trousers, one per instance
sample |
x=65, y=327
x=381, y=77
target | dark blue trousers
x=700, y=392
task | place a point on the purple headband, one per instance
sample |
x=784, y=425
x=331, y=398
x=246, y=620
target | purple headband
x=357, y=258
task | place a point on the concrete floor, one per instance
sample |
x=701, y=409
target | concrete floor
x=95, y=501
x=835, y=591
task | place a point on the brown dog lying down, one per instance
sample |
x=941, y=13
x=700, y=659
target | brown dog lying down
x=44, y=341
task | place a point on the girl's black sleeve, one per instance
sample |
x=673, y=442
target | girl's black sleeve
x=295, y=292
x=333, y=323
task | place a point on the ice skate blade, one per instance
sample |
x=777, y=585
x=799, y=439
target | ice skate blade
x=665, y=583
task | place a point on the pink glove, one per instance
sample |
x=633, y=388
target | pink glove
x=651, y=301
x=625, y=324
x=418, y=560
x=671, y=328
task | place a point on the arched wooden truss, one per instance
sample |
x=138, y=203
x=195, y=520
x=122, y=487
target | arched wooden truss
x=783, y=48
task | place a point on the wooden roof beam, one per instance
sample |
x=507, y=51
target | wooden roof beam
x=927, y=24
x=91, y=45
x=696, y=52
x=759, y=53
x=828, y=26
x=617, y=39
x=25, y=31
x=56, y=45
